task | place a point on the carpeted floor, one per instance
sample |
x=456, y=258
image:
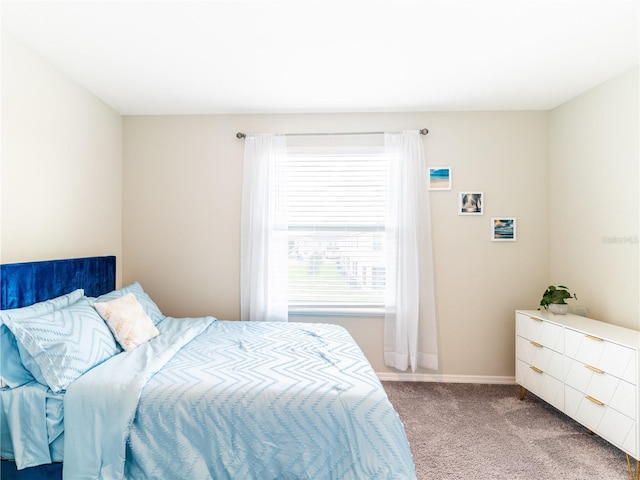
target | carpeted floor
x=474, y=431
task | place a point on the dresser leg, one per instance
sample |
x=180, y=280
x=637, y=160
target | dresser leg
x=523, y=392
x=630, y=467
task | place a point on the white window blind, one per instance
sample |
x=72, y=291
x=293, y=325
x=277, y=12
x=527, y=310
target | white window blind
x=336, y=234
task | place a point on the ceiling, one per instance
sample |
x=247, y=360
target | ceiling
x=183, y=57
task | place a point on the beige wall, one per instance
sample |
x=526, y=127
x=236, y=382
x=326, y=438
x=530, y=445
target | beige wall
x=182, y=192
x=594, y=199
x=163, y=194
x=61, y=175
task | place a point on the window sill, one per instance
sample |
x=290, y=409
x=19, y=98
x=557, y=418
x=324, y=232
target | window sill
x=336, y=312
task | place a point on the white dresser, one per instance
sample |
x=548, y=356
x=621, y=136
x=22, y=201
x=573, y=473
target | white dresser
x=585, y=368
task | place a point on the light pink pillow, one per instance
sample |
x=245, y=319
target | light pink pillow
x=130, y=324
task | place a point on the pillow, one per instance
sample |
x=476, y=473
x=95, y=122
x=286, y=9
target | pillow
x=65, y=343
x=13, y=372
x=128, y=321
x=145, y=300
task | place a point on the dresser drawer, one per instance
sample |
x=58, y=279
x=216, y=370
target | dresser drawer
x=614, y=359
x=610, y=390
x=548, y=388
x=545, y=333
x=607, y=422
x=543, y=358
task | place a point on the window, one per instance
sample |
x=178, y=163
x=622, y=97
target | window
x=336, y=208
x=343, y=230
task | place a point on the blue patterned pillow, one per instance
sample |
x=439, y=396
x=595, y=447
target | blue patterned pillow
x=65, y=343
x=145, y=300
x=13, y=372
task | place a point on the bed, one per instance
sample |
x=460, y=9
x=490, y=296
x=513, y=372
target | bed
x=193, y=398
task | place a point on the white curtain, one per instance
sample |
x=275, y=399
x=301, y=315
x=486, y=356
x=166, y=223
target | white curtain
x=263, y=245
x=410, y=329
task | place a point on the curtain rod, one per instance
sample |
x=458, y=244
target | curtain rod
x=423, y=131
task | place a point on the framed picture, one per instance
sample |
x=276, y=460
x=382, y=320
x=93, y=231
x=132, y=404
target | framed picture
x=503, y=229
x=439, y=178
x=470, y=203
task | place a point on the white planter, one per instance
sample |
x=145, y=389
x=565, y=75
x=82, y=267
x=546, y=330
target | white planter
x=558, y=308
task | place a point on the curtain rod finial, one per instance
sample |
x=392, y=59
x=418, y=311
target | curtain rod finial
x=424, y=131
x=241, y=135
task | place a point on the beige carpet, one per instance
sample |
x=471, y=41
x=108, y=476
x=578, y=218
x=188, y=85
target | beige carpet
x=472, y=431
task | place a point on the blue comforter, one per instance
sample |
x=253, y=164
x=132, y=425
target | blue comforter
x=211, y=399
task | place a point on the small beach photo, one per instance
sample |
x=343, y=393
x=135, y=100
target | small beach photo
x=503, y=229
x=439, y=178
x=470, y=203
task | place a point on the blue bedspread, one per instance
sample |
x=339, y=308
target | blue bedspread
x=23, y=414
x=235, y=400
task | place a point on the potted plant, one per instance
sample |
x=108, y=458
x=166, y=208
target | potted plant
x=554, y=298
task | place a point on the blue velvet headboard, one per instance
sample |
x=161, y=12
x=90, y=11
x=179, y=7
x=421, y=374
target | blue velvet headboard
x=23, y=284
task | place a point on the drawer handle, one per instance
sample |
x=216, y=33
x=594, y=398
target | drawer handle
x=597, y=339
x=594, y=400
x=536, y=369
x=536, y=344
x=594, y=369
x=536, y=319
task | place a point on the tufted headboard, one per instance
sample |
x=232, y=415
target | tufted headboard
x=23, y=284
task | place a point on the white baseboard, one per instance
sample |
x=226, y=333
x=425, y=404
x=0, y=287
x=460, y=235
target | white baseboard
x=428, y=377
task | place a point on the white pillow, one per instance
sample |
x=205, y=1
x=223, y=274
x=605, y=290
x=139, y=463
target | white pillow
x=128, y=321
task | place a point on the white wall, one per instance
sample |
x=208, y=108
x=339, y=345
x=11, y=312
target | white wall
x=594, y=203
x=61, y=175
x=182, y=192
